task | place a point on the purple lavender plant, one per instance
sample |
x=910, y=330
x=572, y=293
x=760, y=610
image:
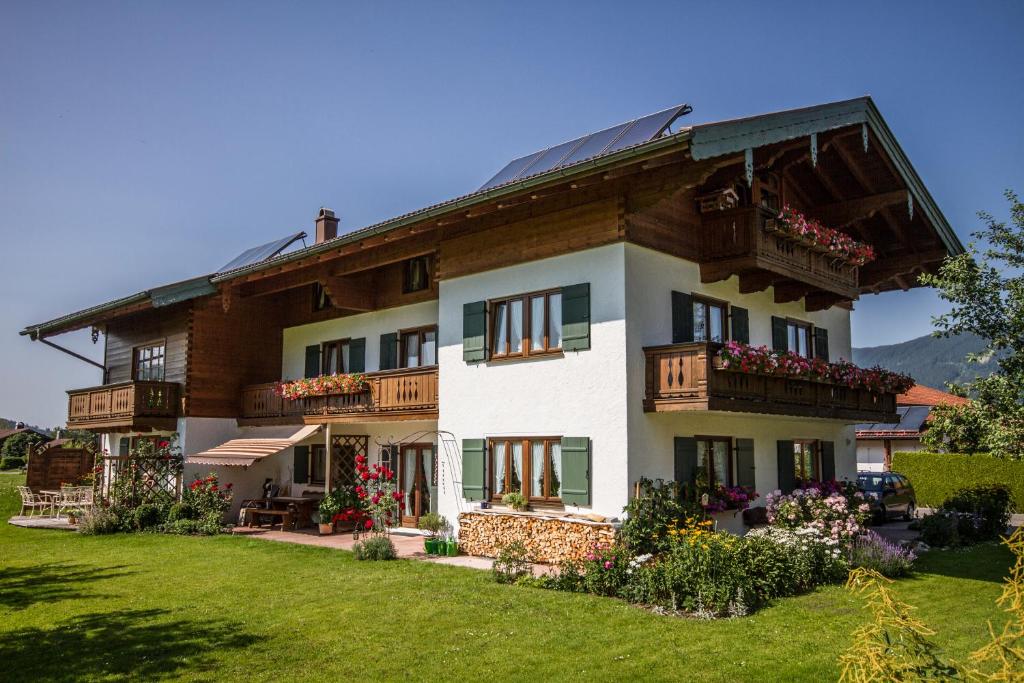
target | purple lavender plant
x=872, y=551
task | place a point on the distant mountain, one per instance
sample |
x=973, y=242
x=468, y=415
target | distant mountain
x=932, y=361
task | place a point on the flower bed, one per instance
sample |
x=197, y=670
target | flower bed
x=761, y=360
x=813, y=234
x=324, y=385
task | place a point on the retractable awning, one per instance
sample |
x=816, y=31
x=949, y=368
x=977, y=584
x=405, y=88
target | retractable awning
x=259, y=444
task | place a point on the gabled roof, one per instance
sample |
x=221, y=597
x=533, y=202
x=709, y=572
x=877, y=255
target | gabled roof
x=704, y=141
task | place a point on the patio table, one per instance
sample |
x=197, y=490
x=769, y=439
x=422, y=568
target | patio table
x=303, y=505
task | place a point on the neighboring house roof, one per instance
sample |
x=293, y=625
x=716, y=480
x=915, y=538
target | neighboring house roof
x=919, y=395
x=4, y=433
x=914, y=408
x=704, y=141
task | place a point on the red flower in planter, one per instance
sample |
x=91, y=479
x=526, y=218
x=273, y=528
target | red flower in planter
x=165, y=444
x=398, y=495
x=368, y=524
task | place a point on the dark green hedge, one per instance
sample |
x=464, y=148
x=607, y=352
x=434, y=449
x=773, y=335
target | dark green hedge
x=937, y=476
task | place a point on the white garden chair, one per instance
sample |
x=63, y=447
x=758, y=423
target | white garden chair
x=73, y=498
x=34, y=501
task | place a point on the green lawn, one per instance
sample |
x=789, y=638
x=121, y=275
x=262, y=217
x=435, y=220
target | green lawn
x=152, y=606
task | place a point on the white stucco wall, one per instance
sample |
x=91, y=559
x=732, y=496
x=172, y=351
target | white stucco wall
x=579, y=394
x=369, y=325
x=871, y=452
x=651, y=277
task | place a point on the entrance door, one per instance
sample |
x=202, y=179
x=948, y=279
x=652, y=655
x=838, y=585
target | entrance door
x=416, y=478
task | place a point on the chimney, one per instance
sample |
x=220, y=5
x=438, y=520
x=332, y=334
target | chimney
x=326, y=225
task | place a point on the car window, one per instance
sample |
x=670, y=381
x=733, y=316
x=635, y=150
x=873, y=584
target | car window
x=904, y=481
x=870, y=482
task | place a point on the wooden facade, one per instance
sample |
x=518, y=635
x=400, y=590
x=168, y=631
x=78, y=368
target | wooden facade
x=125, y=406
x=684, y=377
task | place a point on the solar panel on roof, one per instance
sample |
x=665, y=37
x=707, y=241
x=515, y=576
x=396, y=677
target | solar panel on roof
x=261, y=253
x=602, y=142
x=913, y=418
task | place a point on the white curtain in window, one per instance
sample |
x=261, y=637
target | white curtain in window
x=537, y=468
x=721, y=462
x=500, y=328
x=516, y=474
x=499, y=468
x=408, y=479
x=537, y=323
x=717, y=316
x=516, y=326
x=429, y=350
x=555, y=475
x=700, y=331
x=555, y=320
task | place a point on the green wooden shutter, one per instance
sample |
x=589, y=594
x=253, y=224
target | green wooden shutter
x=684, y=460
x=474, y=460
x=821, y=343
x=745, y=463
x=787, y=471
x=576, y=470
x=312, y=360
x=828, y=460
x=474, y=332
x=356, y=355
x=780, y=334
x=389, y=351
x=301, y=465
x=576, y=317
x=682, y=318
x=740, y=325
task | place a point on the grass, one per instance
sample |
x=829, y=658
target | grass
x=148, y=606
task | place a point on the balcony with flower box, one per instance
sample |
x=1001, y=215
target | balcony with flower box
x=402, y=394
x=703, y=376
x=125, y=406
x=796, y=255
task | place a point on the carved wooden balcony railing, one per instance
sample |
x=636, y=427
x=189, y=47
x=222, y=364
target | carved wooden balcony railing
x=684, y=377
x=741, y=242
x=404, y=394
x=128, y=405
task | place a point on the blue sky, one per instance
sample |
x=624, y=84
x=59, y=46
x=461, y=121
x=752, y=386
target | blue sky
x=142, y=143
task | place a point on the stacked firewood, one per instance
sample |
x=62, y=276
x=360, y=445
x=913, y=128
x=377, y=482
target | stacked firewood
x=547, y=539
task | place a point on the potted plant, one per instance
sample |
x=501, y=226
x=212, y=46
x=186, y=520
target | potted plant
x=73, y=516
x=434, y=524
x=329, y=507
x=514, y=500
x=350, y=509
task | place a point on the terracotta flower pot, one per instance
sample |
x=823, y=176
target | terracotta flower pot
x=326, y=529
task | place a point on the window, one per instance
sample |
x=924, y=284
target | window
x=709, y=320
x=805, y=461
x=318, y=465
x=714, y=458
x=334, y=357
x=526, y=324
x=149, y=363
x=798, y=336
x=416, y=275
x=320, y=299
x=531, y=466
x=419, y=347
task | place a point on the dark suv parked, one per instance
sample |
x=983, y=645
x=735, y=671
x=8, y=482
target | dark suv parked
x=888, y=494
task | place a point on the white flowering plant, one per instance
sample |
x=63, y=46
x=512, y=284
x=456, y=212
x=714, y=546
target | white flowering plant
x=834, y=509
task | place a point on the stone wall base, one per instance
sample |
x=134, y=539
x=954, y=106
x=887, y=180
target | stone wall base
x=548, y=539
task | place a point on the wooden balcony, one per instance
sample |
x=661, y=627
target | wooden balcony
x=742, y=242
x=128, y=406
x=404, y=394
x=684, y=377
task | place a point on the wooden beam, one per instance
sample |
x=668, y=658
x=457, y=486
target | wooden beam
x=842, y=214
x=820, y=301
x=875, y=274
x=351, y=293
x=757, y=281
x=786, y=292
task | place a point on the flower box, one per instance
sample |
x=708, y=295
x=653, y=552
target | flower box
x=809, y=233
x=324, y=385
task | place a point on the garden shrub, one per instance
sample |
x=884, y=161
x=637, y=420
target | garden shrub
x=205, y=526
x=17, y=446
x=992, y=505
x=938, y=476
x=513, y=561
x=375, y=548
x=813, y=556
x=871, y=551
x=649, y=515
x=180, y=511
x=839, y=510
x=12, y=462
x=147, y=516
x=940, y=530
x=603, y=571
x=207, y=498
x=97, y=520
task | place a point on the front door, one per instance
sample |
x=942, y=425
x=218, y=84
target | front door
x=416, y=479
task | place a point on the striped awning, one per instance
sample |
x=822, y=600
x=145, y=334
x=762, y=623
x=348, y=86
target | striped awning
x=246, y=451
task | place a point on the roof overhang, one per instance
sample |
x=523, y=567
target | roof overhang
x=735, y=136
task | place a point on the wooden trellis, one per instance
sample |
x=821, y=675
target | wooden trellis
x=131, y=481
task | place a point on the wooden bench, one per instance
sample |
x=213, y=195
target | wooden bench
x=252, y=516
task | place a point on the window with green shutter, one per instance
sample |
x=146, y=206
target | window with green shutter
x=828, y=460
x=740, y=324
x=312, y=361
x=780, y=334
x=745, y=464
x=682, y=318
x=684, y=461
x=786, y=471
x=300, y=465
x=356, y=355
x=474, y=457
x=576, y=317
x=821, y=343
x=389, y=351
x=576, y=470
x=474, y=332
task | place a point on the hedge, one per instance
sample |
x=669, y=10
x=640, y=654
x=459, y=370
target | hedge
x=937, y=476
